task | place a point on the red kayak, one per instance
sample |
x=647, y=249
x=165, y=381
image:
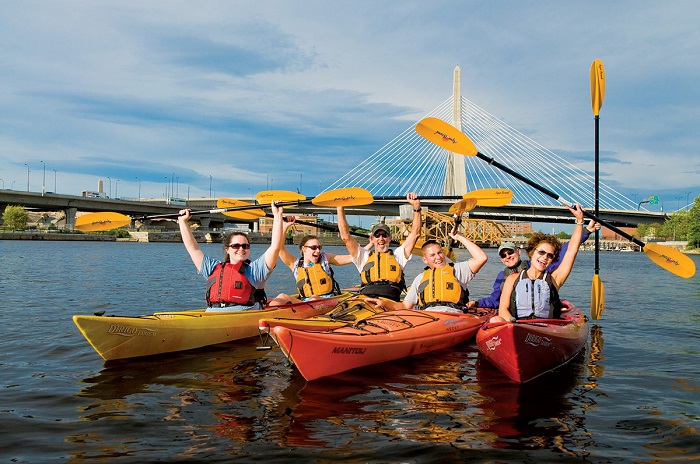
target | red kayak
x=528, y=348
x=383, y=337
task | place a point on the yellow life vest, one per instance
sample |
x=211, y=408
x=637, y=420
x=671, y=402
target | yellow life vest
x=382, y=276
x=440, y=287
x=314, y=280
x=381, y=267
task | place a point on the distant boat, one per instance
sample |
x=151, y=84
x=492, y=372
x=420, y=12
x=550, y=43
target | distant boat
x=627, y=248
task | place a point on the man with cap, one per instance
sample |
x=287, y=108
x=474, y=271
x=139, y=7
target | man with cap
x=381, y=269
x=510, y=256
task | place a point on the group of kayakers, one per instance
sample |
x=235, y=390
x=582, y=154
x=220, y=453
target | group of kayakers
x=524, y=289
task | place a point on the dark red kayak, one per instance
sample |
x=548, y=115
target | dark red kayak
x=528, y=348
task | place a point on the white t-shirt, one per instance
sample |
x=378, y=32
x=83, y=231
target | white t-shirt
x=362, y=255
x=464, y=275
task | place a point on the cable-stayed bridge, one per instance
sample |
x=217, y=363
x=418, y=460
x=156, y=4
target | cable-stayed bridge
x=409, y=163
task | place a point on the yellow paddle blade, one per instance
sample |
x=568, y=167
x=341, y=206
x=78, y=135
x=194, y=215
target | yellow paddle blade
x=95, y=222
x=597, y=86
x=446, y=136
x=243, y=210
x=597, y=297
x=670, y=259
x=278, y=195
x=463, y=206
x=493, y=197
x=352, y=196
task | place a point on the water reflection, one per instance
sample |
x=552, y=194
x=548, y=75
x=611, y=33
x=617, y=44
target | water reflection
x=234, y=393
x=538, y=414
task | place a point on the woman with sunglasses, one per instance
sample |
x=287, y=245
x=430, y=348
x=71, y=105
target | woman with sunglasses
x=235, y=283
x=510, y=256
x=534, y=293
x=312, y=271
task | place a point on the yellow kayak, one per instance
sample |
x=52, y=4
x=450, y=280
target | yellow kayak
x=120, y=337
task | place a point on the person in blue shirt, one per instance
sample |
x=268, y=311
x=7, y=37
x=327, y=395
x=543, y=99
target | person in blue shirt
x=510, y=257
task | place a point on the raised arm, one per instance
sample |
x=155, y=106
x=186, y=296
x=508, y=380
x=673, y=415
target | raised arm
x=350, y=242
x=560, y=274
x=591, y=228
x=413, y=236
x=287, y=258
x=188, y=239
x=479, y=257
x=277, y=240
x=339, y=260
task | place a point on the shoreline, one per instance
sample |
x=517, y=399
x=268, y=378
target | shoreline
x=213, y=237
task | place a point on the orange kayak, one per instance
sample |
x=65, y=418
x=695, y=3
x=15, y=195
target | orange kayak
x=383, y=337
x=347, y=312
x=528, y=348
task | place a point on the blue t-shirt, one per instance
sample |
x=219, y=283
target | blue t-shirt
x=257, y=274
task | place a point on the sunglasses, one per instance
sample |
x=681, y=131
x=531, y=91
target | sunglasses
x=505, y=253
x=380, y=235
x=236, y=246
x=542, y=253
x=314, y=247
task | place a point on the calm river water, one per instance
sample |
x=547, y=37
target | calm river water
x=632, y=396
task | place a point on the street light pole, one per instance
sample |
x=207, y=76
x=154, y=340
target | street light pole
x=137, y=180
x=43, y=182
x=27, y=176
x=110, y=186
x=687, y=200
x=210, y=186
x=116, y=190
x=55, y=189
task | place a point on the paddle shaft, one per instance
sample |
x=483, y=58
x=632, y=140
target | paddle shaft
x=596, y=267
x=225, y=210
x=422, y=197
x=550, y=193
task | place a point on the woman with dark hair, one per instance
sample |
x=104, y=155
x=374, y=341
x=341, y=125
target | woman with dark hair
x=312, y=271
x=236, y=283
x=533, y=293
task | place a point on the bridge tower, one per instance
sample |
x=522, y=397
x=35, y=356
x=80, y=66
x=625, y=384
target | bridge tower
x=456, y=175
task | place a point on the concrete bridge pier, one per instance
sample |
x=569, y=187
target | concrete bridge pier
x=205, y=221
x=70, y=218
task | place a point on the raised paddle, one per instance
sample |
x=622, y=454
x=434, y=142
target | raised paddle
x=92, y=222
x=491, y=197
x=267, y=196
x=95, y=222
x=450, y=138
x=350, y=196
x=597, y=96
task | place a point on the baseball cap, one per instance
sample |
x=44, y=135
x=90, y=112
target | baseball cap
x=507, y=246
x=381, y=226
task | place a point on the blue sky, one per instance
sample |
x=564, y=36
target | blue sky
x=243, y=96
